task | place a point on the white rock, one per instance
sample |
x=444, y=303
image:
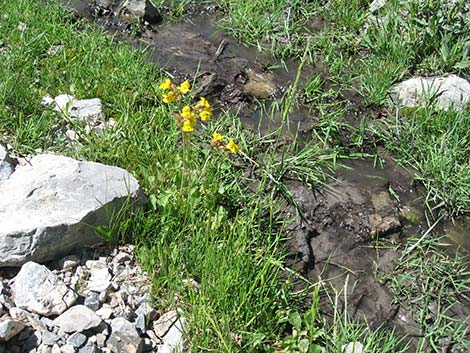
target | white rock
x=141, y=8
x=87, y=110
x=7, y=165
x=77, y=319
x=52, y=205
x=10, y=328
x=173, y=342
x=100, y=278
x=69, y=261
x=450, y=91
x=353, y=347
x=376, y=5
x=164, y=322
x=105, y=312
x=38, y=290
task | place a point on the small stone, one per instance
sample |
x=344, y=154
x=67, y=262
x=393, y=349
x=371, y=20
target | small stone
x=42, y=348
x=69, y=262
x=49, y=338
x=92, y=301
x=105, y=312
x=89, y=348
x=124, y=337
x=38, y=290
x=163, y=324
x=100, y=340
x=67, y=349
x=7, y=165
x=140, y=323
x=77, y=319
x=122, y=257
x=55, y=349
x=100, y=279
x=76, y=340
x=10, y=328
x=353, y=347
x=72, y=135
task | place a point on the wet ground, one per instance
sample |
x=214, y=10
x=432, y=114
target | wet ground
x=339, y=236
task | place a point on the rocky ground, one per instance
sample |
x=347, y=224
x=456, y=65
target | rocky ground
x=96, y=300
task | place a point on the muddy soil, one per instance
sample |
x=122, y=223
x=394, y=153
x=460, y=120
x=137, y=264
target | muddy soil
x=336, y=238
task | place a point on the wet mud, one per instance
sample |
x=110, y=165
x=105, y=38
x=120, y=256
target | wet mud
x=337, y=232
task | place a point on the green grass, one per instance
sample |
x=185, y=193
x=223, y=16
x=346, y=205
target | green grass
x=206, y=221
x=428, y=281
x=209, y=221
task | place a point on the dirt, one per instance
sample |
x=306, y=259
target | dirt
x=335, y=240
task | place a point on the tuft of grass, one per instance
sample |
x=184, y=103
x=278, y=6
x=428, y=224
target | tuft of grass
x=429, y=282
x=437, y=144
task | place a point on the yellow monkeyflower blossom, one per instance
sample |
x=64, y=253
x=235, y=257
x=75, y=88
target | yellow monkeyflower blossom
x=187, y=113
x=185, y=87
x=169, y=97
x=232, y=147
x=217, y=137
x=165, y=84
x=205, y=114
x=188, y=126
x=203, y=104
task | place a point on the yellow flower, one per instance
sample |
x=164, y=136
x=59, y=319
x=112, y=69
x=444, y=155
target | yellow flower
x=165, y=85
x=205, y=114
x=187, y=113
x=203, y=104
x=232, y=147
x=185, y=87
x=169, y=97
x=188, y=126
x=217, y=137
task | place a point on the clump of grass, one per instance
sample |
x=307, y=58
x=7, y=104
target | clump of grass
x=277, y=26
x=429, y=281
x=437, y=144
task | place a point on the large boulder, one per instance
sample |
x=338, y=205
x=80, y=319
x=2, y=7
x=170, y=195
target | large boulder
x=446, y=91
x=54, y=204
x=7, y=166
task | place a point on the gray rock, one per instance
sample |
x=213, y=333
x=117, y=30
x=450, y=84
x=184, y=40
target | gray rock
x=353, y=347
x=38, y=290
x=140, y=323
x=49, y=338
x=87, y=111
x=144, y=9
x=7, y=165
x=124, y=337
x=10, y=328
x=89, y=348
x=52, y=205
x=173, y=342
x=76, y=340
x=92, y=301
x=163, y=324
x=77, y=319
x=448, y=92
x=100, y=340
